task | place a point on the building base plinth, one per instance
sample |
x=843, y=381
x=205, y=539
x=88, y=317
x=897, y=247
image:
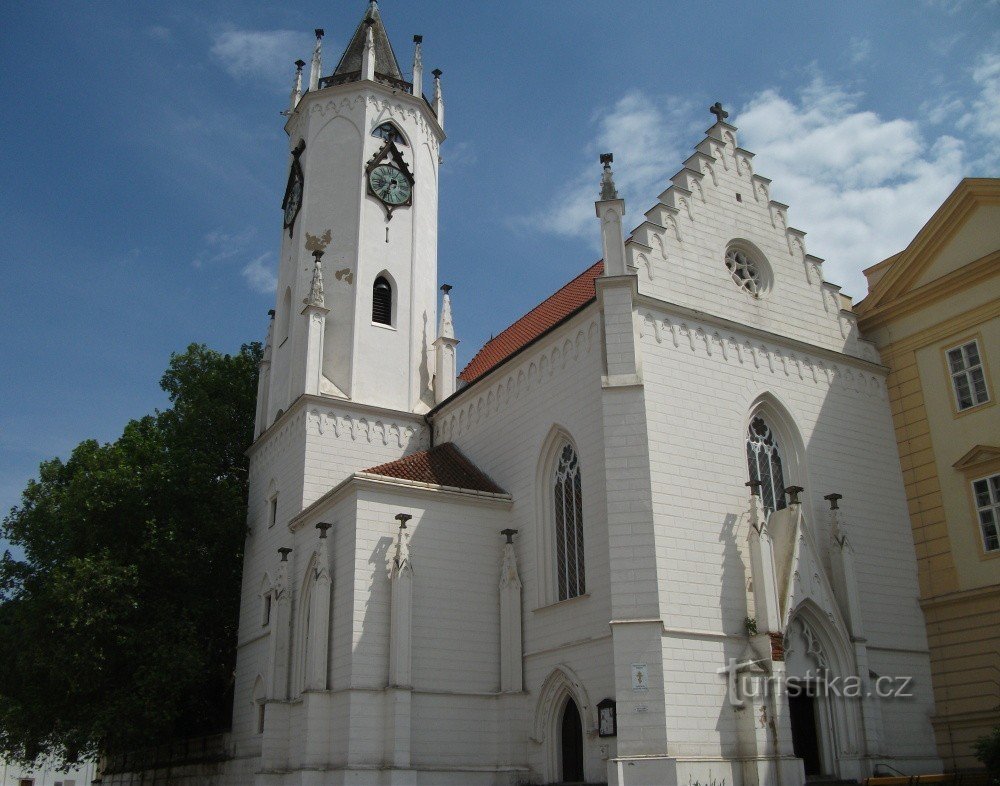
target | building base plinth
x=642, y=771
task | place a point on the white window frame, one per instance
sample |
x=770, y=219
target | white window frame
x=990, y=509
x=966, y=373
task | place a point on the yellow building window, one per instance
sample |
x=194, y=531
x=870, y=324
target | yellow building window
x=967, y=375
x=987, y=494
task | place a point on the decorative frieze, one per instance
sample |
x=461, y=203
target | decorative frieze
x=530, y=374
x=732, y=347
x=361, y=428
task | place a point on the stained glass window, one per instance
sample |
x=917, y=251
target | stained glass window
x=764, y=460
x=568, y=499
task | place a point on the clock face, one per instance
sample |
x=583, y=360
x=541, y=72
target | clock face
x=294, y=201
x=389, y=184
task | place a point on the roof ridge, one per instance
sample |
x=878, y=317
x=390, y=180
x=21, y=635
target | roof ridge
x=441, y=465
x=485, y=360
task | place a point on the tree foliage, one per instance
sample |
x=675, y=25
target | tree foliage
x=118, y=626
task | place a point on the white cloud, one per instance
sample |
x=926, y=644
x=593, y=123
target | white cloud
x=265, y=55
x=644, y=136
x=861, y=185
x=260, y=275
x=983, y=117
x=859, y=50
x=220, y=246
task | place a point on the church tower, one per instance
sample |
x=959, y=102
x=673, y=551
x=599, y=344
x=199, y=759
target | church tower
x=356, y=308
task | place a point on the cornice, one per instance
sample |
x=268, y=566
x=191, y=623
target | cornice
x=367, y=480
x=304, y=400
x=941, y=228
x=360, y=87
x=932, y=292
x=941, y=330
x=749, y=330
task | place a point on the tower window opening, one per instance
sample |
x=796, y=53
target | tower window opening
x=390, y=133
x=382, y=302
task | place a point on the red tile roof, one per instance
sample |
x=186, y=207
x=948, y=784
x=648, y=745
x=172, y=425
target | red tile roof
x=442, y=465
x=540, y=319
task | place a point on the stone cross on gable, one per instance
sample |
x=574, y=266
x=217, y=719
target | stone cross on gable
x=720, y=113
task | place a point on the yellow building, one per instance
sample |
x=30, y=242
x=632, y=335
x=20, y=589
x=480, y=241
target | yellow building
x=934, y=311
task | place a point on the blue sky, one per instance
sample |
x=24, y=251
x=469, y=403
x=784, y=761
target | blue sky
x=144, y=160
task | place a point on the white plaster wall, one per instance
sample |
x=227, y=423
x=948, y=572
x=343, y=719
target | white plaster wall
x=362, y=360
x=342, y=439
x=680, y=252
x=455, y=551
x=502, y=425
x=700, y=384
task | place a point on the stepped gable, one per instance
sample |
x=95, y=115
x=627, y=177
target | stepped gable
x=442, y=465
x=542, y=318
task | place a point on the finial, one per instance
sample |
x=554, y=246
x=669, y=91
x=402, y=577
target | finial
x=323, y=526
x=509, y=534
x=317, y=60
x=418, y=39
x=720, y=113
x=402, y=518
x=833, y=498
x=284, y=552
x=296, y=87
x=608, y=189
x=793, y=494
x=316, y=296
x=754, y=486
x=438, y=105
x=446, y=288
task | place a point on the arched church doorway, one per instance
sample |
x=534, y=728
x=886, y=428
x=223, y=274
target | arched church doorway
x=571, y=747
x=802, y=711
x=825, y=723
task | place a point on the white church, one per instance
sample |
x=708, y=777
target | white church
x=654, y=533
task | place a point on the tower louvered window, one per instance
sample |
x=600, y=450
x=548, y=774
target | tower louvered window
x=568, y=497
x=382, y=301
x=764, y=461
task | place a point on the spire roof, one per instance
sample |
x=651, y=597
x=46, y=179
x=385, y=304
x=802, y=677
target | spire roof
x=385, y=59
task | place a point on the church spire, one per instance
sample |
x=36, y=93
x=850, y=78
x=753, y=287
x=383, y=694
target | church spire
x=384, y=58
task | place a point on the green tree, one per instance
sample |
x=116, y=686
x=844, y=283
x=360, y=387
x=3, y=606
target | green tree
x=118, y=626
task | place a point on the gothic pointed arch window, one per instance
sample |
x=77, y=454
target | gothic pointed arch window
x=764, y=462
x=382, y=301
x=389, y=133
x=567, y=497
